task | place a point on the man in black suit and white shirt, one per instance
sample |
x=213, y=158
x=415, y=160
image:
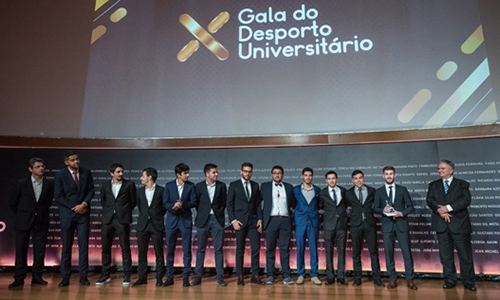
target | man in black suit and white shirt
x=150, y=225
x=30, y=201
x=333, y=202
x=245, y=214
x=449, y=198
x=118, y=199
x=393, y=203
x=211, y=194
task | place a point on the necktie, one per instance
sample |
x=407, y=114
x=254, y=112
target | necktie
x=360, y=196
x=76, y=179
x=247, y=191
x=334, y=196
x=390, y=195
x=446, y=186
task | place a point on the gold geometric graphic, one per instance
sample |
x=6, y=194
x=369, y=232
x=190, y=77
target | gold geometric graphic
x=203, y=36
x=115, y=17
x=415, y=105
x=118, y=15
x=488, y=116
x=99, y=3
x=474, y=41
x=97, y=33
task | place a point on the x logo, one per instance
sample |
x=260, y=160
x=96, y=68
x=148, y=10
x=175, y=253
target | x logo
x=203, y=36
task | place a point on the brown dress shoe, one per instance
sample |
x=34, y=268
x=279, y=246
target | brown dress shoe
x=256, y=280
x=411, y=285
x=240, y=280
x=392, y=284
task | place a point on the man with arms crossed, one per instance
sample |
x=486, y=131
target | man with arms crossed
x=73, y=191
x=363, y=223
x=118, y=199
x=393, y=203
x=332, y=201
x=178, y=199
x=245, y=214
x=210, y=205
x=307, y=225
x=448, y=198
x=150, y=225
x=279, y=201
x=30, y=201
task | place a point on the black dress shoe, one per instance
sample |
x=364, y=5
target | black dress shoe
x=448, y=286
x=84, y=281
x=342, y=281
x=196, y=281
x=329, y=281
x=357, y=282
x=16, y=283
x=168, y=282
x=256, y=280
x=140, y=282
x=241, y=281
x=38, y=280
x=185, y=281
x=63, y=283
x=159, y=282
x=471, y=288
x=379, y=283
x=221, y=281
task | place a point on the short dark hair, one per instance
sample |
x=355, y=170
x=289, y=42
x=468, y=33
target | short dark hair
x=69, y=153
x=448, y=162
x=182, y=167
x=209, y=167
x=113, y=167
x=34, y=160
x=279, y=168
x=331, y=172
x=307, y=169
x=388, y=168
x=356, y=172
x=151, y=172
x=246, y=164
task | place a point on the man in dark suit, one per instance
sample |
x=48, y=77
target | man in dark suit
x=279, y=201
x=245, y=214
x=448, y=198
x=332, y=202
x=73, y=191
x=118, y=199
x=30, y=201
x=363, y=223
x=178, y=199
x=307, y=225
x=393, y=203
x=210, y=205
x=150, y=225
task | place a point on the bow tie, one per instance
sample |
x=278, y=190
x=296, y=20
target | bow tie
x=278, y=184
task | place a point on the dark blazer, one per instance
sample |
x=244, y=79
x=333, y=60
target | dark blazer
x=358, y=208
x=68, y=195
x=122, y=206
x=28, y=211
x=458, y=198
x=188, y=198
x=266, y=191
x=203, y=205
x=239, y=207
x=154, y=213
x=402, y=203
x=333, y=214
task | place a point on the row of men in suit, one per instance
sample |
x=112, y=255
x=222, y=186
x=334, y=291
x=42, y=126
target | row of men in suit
x=74, y=189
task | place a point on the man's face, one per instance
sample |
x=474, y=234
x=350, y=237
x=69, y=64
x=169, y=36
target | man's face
x=307, y=177
x=183, y=176
x=73, y=162
x=389, y=176
x=445, y=171
x=212, y=175
x=117, y=175
x=358, y=180
x=331, y=180
x=277, y=175
x=145, y=178
x=246, y=173
x=37, y=169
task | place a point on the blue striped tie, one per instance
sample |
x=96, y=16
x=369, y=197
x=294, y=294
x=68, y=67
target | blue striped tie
x=446, y=186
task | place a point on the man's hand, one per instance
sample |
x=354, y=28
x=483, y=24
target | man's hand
x=80, y=208
x=442, y=209
x=446, y=217
x=177, y=205
x=388, y=209
x=237, y=225
x=259, y=226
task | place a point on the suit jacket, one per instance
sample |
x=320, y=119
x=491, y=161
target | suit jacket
x=122, y=205
x=306, y=213
x=334, y=214
x=358, y=209
x=458, y=198
x=266, y=191
x=239, y=207
x=203, y=204
x=188, y=198
x=155, y=213
x=402, y=203
x=68, y=195
x=28, y=211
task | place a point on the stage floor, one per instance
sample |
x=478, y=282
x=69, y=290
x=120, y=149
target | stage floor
x=430, y=289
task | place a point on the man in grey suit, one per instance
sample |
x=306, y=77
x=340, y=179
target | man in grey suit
x=393, y=203
x=333, y=202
